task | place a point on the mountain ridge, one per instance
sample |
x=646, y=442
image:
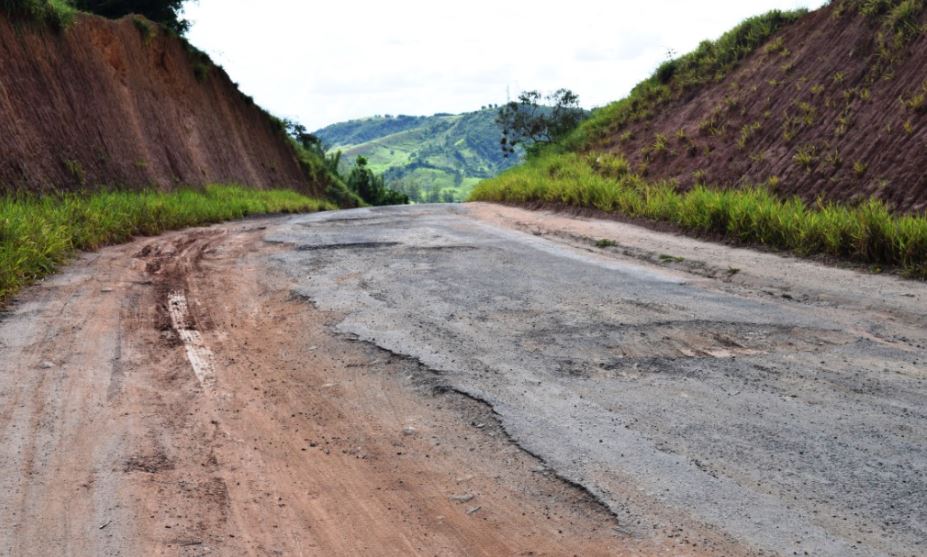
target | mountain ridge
x=430, y=158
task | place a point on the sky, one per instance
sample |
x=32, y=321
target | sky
x=327, y=62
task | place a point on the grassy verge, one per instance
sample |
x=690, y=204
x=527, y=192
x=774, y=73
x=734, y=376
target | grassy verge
x=37, y=234
x=867, y=233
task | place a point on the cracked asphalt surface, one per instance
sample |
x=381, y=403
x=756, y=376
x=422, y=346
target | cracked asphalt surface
x=781, y=403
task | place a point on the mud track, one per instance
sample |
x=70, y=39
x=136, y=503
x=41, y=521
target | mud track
x=297, y=441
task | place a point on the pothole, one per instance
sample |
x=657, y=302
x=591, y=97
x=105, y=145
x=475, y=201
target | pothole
x=347, y=245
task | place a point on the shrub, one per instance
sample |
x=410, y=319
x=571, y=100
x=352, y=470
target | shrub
x=746, y=133
x=372, y=187
x=859, y=168
x=56, y=13
x=166, y=12
x=806, y=156
x=529, y=123
x=660, y=143
x=918, y=101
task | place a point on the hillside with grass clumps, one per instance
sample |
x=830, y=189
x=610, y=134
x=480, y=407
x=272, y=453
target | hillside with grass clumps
x=828, y=105
x=429, y=158
x=795, y=130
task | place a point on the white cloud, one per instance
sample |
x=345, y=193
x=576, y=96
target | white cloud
x=326, y=62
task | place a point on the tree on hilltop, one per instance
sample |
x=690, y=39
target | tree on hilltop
x=372, y=187
x=166, y=12
x=535, y=119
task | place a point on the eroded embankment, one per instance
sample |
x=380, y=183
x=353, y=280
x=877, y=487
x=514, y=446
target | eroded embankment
x=121, y=103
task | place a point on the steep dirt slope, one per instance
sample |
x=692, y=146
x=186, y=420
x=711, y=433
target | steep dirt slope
x=822, y=109
x=108, y=103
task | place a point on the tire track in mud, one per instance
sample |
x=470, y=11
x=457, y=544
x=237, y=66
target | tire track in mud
x=198, y=353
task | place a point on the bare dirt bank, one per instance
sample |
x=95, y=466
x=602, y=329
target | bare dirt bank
x=103, y=103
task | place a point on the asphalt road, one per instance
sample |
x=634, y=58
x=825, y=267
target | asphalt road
x=779, y=402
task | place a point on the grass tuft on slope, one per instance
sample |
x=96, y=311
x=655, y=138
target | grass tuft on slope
x=39, y=233
x=711, y=61
x=868, y=233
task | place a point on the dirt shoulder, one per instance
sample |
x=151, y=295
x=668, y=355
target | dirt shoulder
x=719, y=266
x=284, y=438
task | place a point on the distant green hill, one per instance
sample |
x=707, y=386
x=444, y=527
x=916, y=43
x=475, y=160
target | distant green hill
x=429, y=158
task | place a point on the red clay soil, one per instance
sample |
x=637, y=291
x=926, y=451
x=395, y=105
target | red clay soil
x=98, y=103
x=823, y=85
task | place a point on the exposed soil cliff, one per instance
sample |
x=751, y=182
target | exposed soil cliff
x=116, y=103
x=831, y=107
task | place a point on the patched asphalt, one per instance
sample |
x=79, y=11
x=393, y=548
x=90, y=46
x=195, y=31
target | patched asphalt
x=791, y=429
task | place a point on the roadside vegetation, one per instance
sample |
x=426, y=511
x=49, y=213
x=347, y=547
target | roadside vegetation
x=39, y=233
x=868, y=233
x=58, y=13
x=357, y=187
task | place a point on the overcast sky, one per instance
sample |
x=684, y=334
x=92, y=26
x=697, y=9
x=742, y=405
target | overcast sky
x=325, y=62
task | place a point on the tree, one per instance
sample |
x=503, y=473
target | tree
x=312, y=143
x=371, y=187
x=530, y=122
x=166, y=12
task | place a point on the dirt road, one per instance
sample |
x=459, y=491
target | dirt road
x=460, y=381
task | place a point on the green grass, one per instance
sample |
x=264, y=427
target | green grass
x=39, y=233
x=868, y=233
x=900, y=24
x=57, y=13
